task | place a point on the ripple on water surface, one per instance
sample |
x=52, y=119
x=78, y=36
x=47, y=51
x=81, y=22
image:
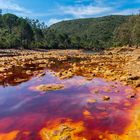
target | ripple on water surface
x=82, y=110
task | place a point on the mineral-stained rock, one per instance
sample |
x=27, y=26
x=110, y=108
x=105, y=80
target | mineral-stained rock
x=106, y=98
x=87, y=114
x=49, y=87
x=138, y=58
x=132, y=95
x=64, y=128
x=20, y=80
x=68, y=137
x=117, y=91
x=134, y=78
x=41, y=74
x=2, y=69
x=89, y=78
x=96, y=91
x=63, y=132
x=137, y=85
x=91, y=101
x=55, y=133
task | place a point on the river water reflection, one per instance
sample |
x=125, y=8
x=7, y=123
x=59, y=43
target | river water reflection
x=97, y=107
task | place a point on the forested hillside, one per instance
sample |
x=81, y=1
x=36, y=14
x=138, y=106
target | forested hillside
x=18, y=32
x=128, y=33
x=92, y=33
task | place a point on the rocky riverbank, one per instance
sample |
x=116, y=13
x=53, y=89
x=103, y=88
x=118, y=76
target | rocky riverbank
x=120, y=64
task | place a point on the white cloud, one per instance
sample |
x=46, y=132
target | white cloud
x=92, y=8
x=81, y=1
x=12, y=6
x=55, y=20
x=81, y=11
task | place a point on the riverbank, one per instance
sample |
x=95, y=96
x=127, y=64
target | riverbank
x=121, y=64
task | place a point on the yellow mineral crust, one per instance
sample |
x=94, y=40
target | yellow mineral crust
x=9, y=136
x=49, y=87
x=63, y=131
x=133, y=131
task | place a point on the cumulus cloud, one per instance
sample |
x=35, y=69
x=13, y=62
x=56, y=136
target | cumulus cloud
x=80, y=11
x=12, y=6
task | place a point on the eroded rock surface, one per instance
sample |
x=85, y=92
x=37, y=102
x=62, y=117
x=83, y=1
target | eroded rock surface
x=49, y=87
x=115, y=64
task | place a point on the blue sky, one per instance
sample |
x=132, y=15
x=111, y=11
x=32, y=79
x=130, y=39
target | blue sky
x=52, y=11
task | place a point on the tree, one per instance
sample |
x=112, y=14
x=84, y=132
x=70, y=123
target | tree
x=136, y=32
x=122, y=35
x=0, y=12
x=128, y=33
x=26, y=33
x=10, y=21
x=0, y=17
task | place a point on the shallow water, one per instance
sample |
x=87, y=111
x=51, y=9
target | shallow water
x=24, y=112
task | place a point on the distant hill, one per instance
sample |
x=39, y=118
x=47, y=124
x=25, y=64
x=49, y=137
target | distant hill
x=89, y=25
x=91, y=32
